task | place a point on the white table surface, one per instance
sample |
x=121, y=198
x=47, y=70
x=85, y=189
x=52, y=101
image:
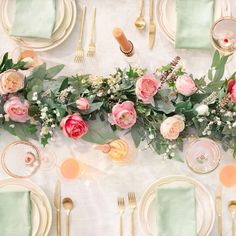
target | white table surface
x=95, y=194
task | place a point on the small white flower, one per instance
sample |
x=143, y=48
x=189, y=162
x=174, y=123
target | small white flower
x=219, y=122
x=38, y=102
x=151, y=136
x=213, y=111
x=208, y=132
x=202, y=110
x=200, y=120
x=12, y=126
x=53, y=125
x=172, y=154
x=1, y=115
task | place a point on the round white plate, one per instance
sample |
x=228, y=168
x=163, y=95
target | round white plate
x=10, y=8
x=41, y=208
x=205, y=208
x=167, y=8
x=60, y=33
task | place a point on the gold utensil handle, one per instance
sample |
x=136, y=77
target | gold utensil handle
x=68, y=224
x=93, y=24
x=151, y=10
x=121, y=225
x=233, y=227
x=219, y=225
x=141, y=7
x=58, y=223
x=82, y=24
x=132, y=222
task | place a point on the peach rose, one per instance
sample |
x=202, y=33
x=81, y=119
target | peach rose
x=172, y=126
x=123, y=115
x=82, y=104
x=146, y=87
x=232, y=90
x=73, y=126
x=17, y=110
x=185, y=85
x=11, y=81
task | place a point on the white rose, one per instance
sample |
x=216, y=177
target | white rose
x=29, y=62
x=202, y=110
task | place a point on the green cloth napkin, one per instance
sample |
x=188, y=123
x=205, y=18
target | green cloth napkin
x=194, y=21
x=176, y=211
x=34, y=18
x=15, y=214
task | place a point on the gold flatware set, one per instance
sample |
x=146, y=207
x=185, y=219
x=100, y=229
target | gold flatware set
x=67, y=204
x=140, y=22
x=121, y=208
x=79, y=56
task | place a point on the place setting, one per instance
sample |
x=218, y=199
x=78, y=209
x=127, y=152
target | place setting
x=81, y=140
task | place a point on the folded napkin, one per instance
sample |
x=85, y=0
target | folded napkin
x=34, y=18
x=194, y=21
x=15, y=214
x=176, y=213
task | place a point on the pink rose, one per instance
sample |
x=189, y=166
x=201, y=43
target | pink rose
x=123, y=115
x=82, y=104
x=17, y=110
x=232, y=90
x=73, y=126
x=185, y=85
x=146, y=87
x=172, y=126
x=11, y=81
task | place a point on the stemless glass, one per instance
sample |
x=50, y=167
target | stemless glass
x=223, y=31
x=202, y=155
x=22, y=159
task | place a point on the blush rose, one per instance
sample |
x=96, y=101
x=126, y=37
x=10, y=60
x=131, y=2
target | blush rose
x=185, y=85
x=146, y=87
x=123, y=115
x=172, y=126
x=11, y=81
x=17, y=110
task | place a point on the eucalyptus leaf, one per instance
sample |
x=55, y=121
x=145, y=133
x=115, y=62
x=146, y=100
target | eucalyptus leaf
x=99, y=132
x=53, y=71
x=135, y=133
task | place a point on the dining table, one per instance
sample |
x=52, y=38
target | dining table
x=95, y=193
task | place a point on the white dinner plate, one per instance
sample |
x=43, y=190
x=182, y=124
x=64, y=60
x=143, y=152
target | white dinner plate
x=65, y=22
x=167, y=8
x=41, y=208
x=205, y=209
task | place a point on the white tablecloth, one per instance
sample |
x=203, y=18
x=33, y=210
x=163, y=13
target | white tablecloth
x=95, y=194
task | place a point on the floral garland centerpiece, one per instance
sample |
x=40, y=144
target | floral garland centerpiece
x=159, y=108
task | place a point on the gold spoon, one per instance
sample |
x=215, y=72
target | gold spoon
x=68, y=205
x=140, y=22
x=232, y=209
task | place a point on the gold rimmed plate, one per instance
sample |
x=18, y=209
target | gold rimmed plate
x=205, y=208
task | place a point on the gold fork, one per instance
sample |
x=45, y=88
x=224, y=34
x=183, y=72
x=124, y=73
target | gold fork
x=132, y=206
x=121, y=207
x=91, y=48
x=79, y=56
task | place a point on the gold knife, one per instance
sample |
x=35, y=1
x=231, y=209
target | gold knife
x=57, y=205
x=218, y=201
x=152, y=27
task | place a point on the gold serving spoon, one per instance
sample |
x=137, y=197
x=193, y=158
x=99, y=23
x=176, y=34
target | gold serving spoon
x=232, y=209
x=140, y=22
x=68, y=205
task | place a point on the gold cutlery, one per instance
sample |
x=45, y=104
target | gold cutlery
x=218, y=202
x=121, y=207
x=232, y=209
x=57, y=205
x=152, y=27
x=140, y=22
x=80, y=51
x=132, y=206
x=91, y=48
x=68, y=205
